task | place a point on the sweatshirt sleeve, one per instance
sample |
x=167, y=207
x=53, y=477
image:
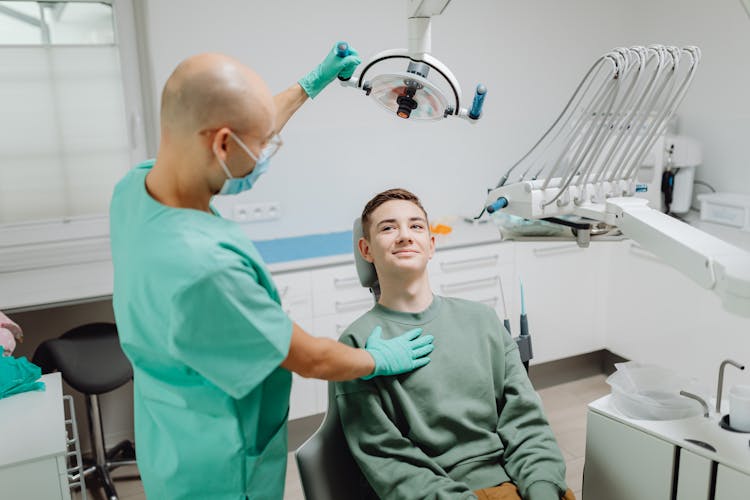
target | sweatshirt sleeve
x=394, y=467
x=532, y=457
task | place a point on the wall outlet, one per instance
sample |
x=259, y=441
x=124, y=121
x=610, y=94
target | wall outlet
x=256, y=212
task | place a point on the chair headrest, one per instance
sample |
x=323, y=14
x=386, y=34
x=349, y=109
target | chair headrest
x=365, y=270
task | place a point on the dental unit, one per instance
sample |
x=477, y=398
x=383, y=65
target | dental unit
x=583, y=170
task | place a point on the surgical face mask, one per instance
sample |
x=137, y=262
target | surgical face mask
x=235, y=185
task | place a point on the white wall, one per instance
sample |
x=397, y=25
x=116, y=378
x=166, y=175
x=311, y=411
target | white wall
x=341, y=148
x=716, y=110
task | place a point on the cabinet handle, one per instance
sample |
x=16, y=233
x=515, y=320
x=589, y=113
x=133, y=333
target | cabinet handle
x=480, y=283
x=284, y=291
x=477, y=261
x=345, y=282
x=569, y=248
x=352, y=304
x=492, y=301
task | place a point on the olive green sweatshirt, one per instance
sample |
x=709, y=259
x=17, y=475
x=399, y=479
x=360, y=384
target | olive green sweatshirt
x=469, y=419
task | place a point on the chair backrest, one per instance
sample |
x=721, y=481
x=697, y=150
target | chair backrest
x=326, y=466
x=368, y=277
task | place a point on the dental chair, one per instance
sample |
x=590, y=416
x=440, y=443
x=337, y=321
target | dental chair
x=327, y=469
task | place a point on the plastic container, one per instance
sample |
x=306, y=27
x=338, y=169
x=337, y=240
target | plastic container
x=730, y=209
x=652, y=392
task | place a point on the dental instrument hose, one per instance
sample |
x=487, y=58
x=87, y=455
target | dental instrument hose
x=506, y=320
x=524, y=339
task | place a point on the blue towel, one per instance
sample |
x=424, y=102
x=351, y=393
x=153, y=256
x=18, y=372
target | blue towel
x=18, y=375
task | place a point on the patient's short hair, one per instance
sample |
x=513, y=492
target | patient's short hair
x=380, y=198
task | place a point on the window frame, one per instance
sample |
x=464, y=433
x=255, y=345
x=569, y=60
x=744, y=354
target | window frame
x=80, y=239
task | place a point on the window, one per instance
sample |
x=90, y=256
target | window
x=69, y=106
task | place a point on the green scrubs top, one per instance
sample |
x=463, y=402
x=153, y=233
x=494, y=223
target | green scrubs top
x=200, y=320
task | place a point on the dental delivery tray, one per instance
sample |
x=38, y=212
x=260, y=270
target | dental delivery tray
x=731, y=209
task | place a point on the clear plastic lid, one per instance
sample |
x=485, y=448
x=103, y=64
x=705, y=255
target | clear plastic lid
x=409, y=96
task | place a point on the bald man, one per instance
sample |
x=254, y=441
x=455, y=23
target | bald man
x=196, y=308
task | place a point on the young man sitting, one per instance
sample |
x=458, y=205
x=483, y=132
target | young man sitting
x=467, y=425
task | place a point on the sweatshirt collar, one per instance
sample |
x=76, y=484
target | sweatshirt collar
x=409, y=318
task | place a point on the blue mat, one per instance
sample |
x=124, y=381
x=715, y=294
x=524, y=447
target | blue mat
x=305, y=247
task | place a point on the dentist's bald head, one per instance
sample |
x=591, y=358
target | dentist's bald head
x=210, y=91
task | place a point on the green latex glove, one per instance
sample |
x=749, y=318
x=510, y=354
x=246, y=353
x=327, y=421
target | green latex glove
x=401, y=354
x=327, y=71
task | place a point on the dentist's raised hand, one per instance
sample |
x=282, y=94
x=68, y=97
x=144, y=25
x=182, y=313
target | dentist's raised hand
x=334, y=65
x=398, y=355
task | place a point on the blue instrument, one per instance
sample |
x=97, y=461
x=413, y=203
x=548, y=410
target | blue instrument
x=476, y=106
x=501, y=202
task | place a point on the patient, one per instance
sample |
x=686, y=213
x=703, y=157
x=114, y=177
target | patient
x=468, y=424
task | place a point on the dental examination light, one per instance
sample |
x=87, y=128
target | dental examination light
x=583, y=170
x=411, y=83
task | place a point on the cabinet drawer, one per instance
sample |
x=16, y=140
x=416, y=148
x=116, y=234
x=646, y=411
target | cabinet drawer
x=333, y=325
x=461, y=260
x=298, y=307
x=624, y=463
x=731, y=484
x=354, y=301
x=293, y=284
x=694, y=481
x=336, y=280
x=305, y=396
x=36, y=479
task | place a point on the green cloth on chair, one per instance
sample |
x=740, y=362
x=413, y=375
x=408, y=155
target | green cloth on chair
x=18, y=375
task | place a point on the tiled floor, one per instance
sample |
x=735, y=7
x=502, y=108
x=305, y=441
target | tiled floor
x=565, y=405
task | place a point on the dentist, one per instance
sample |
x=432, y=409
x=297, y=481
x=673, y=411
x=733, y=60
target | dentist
x=197, y=311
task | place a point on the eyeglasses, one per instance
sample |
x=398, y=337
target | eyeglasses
x=271, y=148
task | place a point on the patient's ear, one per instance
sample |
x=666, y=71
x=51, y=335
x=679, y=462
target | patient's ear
x=364, y=249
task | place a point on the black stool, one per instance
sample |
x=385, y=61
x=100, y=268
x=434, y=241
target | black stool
x=91, y=361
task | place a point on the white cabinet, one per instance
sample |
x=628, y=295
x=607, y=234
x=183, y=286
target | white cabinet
x=694, y=479
x=623, y=463
x=33, y=446
x=731, y=484
x=658, y=459
x=477, y=273
x=563, y=285
x=323, y=302
x=296, y=297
